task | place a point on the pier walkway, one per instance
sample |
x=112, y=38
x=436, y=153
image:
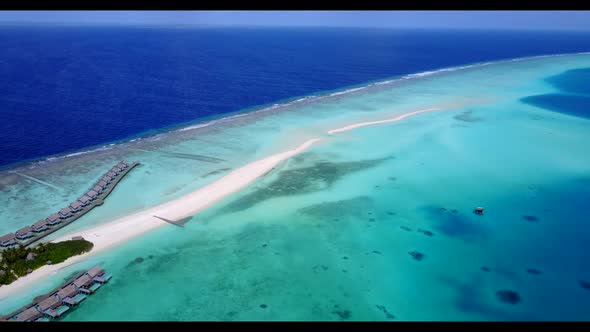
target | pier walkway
x=88, y=201
x=56, y=303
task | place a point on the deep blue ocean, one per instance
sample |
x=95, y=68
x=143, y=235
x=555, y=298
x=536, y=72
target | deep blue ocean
x=66, y=88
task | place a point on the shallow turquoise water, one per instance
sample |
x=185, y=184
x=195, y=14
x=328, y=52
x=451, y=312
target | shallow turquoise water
x=327, y=235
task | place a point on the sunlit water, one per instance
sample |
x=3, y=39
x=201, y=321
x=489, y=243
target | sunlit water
x=328, y=234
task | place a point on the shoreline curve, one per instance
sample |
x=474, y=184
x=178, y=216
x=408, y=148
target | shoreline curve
x=116, y=232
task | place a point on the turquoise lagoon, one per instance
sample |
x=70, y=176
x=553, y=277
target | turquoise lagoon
x=328, y=234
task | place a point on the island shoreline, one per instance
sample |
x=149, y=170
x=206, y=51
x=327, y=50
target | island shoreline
x=116, y=232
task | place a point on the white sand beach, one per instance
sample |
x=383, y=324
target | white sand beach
x=118, y=231
x=372, y=123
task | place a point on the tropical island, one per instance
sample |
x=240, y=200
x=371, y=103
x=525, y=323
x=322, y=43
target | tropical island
x=290, y=173
x=19, y=261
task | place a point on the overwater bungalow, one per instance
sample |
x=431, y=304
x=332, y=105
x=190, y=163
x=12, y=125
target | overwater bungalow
x=39, y=226
x=52, y=306
x=86, y=285
x=102, y=183
x=29, y=315
x=76, y=206
x=97, y=188
x=8, y=240
x=98, y=274
x=24, y=233
x=95, y=271
x=106, y=179
x=65, y=213
x=71, y=295
x=83, y=281
x=56, y=303
x=103, y=279
x=84, y=200
x=53, y=219
x=124, y=163
x=116, y=170
x=92, y=194
x=111, y=174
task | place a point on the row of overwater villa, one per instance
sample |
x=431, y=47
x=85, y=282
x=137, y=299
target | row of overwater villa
x=55, y=304
x=93, y=197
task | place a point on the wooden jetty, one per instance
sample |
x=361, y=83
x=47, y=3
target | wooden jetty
x=94, y=197
x=56, y=303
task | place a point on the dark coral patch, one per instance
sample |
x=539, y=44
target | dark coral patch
x=473, y=297
x=391, y=213
x=454, y=224
x=417, y=255
x=317, y=267
x=297, y=181
x=585, y=284
x=530, y=218
x=533, y=271
x=138, y=260
x=485, y=268
x=467, y=116
x=384, y=310
x=343, y=314
x=425, y=232
x=405, y=228
x=508, y=296
x=351, y=208
x=371, y=219
x=263, y=306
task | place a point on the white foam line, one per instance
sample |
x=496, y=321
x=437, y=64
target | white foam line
x=338, y=93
